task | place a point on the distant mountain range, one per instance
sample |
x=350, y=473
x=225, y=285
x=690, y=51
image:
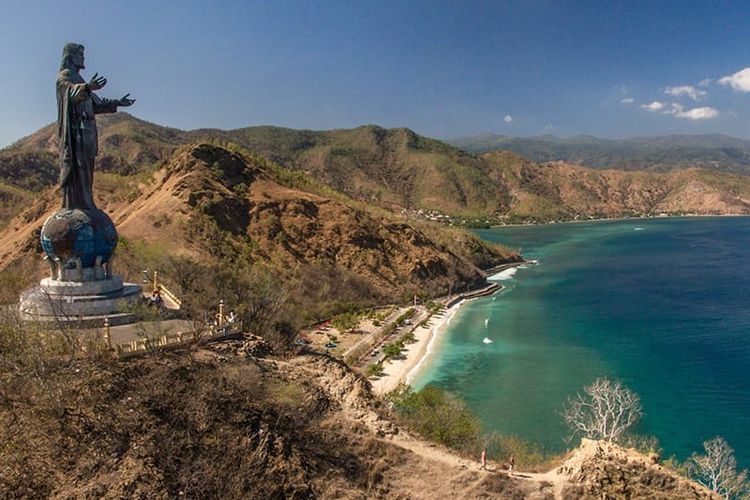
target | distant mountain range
x=657, y=154
x=399, y=170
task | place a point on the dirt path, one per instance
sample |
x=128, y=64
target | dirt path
x=434, y=472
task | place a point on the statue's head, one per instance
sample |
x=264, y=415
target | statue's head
x=72, y=56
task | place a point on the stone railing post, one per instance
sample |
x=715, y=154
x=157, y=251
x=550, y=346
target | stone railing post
x=107, y=334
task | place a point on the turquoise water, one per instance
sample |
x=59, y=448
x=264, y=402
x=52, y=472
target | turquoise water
x=663, y=304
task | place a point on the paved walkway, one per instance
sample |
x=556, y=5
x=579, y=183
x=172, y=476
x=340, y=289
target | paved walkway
x=123, y=334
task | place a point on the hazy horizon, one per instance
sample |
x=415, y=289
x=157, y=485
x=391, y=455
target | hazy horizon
x=444, y=139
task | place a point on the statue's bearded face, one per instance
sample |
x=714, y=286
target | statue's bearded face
x=77, y=59
x=73, y=56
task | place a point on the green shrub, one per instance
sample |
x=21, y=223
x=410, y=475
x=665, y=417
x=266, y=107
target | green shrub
x=443, y=418
x=345, y=322
x=437, y=415
x=374, y=370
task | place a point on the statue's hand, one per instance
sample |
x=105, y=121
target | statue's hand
x=125, y=100
x=97, y=82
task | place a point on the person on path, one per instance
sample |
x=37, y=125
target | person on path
x=511, y=464
x=484, y=458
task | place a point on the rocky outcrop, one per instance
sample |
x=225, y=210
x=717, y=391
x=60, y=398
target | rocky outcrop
x=598, y=469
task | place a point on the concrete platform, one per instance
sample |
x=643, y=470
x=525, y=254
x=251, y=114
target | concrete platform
x=87, y=302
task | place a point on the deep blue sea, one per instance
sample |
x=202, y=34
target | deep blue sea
x=662, y=304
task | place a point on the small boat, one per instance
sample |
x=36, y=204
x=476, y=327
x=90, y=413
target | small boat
x=487, y=341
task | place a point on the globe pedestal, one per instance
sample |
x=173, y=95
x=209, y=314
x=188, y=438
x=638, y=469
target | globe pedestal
x=78, y=245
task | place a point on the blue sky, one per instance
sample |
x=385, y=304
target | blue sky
x=443, y=68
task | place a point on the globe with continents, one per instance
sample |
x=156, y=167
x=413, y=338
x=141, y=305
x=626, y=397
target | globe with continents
x=71, y=234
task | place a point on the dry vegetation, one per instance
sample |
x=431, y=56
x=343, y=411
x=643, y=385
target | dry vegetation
x=396, y=168
x=224, y=213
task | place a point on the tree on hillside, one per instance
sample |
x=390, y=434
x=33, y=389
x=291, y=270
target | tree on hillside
x=605, y=410
x=345, y=322
x=717, y=470
x=255, y=293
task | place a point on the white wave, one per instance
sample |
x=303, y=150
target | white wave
x=486, y=322
x=487, y=341
x=503, y=275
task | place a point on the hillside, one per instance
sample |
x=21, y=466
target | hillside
x=235, y=209
x=560, y=191
x=397, y=169
x=390, y=168
x=657, y=154
x=231, y=420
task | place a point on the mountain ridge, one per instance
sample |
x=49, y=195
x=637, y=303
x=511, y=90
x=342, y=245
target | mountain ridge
x=658, y=153
x=399, y=170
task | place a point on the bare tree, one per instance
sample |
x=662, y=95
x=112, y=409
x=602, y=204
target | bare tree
x=256, y=293
x=605, y=410
x=717, y=470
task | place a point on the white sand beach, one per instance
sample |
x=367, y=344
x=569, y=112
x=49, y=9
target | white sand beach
x=416, y=355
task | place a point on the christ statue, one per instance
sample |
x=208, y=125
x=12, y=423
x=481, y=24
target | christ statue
x=76, y=127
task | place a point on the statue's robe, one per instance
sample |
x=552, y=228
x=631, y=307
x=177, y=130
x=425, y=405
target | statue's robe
x=76, y=130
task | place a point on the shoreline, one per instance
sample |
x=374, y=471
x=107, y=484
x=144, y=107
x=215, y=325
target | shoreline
x=617, y=219
x=437, y=335
x=416, y=356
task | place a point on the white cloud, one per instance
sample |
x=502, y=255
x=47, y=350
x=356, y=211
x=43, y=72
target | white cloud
x=627, y=100
x=739, y=81
x=705, y=82
x=508, y=119
x=702, y=113
x=653, y=106
x=686, y=90
x=678, y=110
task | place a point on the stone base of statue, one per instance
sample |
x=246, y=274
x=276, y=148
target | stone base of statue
x=84, y=303
x=81, y=289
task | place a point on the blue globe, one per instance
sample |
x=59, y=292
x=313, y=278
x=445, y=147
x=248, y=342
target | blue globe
x=69, y=234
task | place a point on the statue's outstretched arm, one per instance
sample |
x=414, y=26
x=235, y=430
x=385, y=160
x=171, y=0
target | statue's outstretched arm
x=104, y=105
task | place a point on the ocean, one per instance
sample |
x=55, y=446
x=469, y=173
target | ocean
x=661, y=304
